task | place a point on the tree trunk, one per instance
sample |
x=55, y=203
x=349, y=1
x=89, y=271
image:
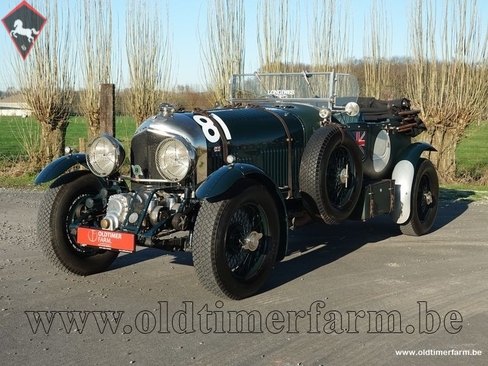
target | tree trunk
x=93, y=126
x=445, y=140
x=53, y=140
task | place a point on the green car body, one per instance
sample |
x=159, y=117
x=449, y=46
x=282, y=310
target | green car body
x=228, y=183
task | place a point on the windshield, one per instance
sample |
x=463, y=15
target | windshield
x=297, y=86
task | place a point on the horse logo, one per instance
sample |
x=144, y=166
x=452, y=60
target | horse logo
x=19, y=29
x=24, y=14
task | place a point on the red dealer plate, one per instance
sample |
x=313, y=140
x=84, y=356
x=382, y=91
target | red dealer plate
x=104, y=239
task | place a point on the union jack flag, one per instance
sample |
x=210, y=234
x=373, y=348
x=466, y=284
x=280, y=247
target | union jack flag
x=360, y=138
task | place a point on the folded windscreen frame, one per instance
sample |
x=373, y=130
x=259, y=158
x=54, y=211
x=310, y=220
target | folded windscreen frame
x=330, y=89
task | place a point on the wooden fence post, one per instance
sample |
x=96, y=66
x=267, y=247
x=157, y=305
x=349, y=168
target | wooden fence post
x=82, y=143
x=107, y=108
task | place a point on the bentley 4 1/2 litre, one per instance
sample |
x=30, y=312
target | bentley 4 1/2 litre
x=228, y=183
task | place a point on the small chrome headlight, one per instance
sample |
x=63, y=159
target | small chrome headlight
x=105, y=155
x=325, y=113
x=174, y=159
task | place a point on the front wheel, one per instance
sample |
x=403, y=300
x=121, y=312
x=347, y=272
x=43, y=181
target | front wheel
x=64, y=204
x=425, y=200
x=236, y=242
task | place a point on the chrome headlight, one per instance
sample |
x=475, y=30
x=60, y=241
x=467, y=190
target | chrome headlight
x=174, y=159
x=352, y=109
x=325, y=113
x=105, y=155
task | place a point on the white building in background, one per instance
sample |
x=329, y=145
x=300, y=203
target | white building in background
x=14, y=105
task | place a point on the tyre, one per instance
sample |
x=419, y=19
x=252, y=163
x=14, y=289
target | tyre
x=425, y=200
x=236, y=242
x=331, y=174
x=64, y=203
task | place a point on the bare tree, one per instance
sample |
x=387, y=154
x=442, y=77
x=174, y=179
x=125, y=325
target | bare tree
x=447, y=78
x=149, y=57
x=223, y=47
x=330, y=45
x=278, y=36
x=96, y=58
x=187, y=97
x=46, y=80
x=377, y=46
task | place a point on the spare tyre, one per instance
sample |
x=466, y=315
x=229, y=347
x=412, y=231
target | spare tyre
x=331, y=174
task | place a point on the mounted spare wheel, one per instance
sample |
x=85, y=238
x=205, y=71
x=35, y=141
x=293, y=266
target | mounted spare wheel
x=331, y=174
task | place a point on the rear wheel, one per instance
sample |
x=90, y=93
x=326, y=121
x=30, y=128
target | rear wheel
x=236, y=242
x=62, y=205
x=331, y=174
x=425, y=200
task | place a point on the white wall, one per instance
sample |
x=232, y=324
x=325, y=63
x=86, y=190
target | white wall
x=15, y=112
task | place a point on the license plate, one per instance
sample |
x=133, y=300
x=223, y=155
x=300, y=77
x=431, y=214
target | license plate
x=104, y=239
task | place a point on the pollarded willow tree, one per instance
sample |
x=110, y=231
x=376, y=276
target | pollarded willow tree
x=223, y=46
x=448, y=75
x=377, y=48
x=95, y=58
x=278, y=36
x=46, y=80
x=330, y=45
x=149, y=58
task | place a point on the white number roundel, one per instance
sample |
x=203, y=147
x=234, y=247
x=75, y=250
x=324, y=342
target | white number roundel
x=210, y=131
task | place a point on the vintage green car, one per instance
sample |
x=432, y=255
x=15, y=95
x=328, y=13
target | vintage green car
x=229, y=183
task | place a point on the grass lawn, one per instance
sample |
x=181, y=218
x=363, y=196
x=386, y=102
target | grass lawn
x=471, y=154
x=17, y=132
x=472, y=151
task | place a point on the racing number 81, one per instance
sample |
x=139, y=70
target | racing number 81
x=209, y=129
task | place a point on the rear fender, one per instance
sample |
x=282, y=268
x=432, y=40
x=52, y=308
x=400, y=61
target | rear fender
x=221, y=183
x=59, y=166
x=404, y=174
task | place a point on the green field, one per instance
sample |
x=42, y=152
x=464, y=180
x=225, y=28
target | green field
x=472, y=152
x=17, y=132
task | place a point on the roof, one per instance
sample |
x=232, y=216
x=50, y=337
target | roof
x=16, y=98
x=14, y=101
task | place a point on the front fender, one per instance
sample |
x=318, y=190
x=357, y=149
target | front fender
x=404, y=174
x=59, y=166
x=222, y=180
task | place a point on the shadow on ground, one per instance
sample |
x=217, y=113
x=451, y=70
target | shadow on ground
x=145, y=254
x=334, y=242
x=331, y=242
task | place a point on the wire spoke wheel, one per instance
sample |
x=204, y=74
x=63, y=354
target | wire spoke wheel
x=76, y=212
x=62, y=209
x=340, y=171
x=235, y=242
x=243, y=253
x=424, y=201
